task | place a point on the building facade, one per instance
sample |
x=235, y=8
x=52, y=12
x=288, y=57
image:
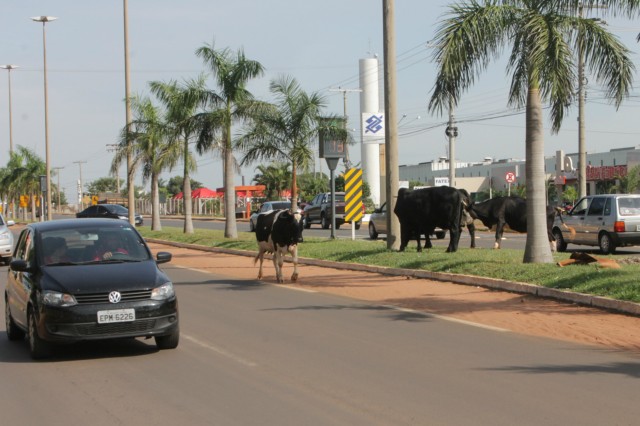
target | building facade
x=491, y=175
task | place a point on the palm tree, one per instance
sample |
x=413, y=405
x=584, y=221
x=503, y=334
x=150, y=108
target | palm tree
x=230, y=105
x=286, y=130
x=22, y=175
x=629, y=183
x=275, y=177
x=152, y=150
x=545, y=36
x=182, y=103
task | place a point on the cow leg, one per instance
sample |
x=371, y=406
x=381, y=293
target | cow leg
x=404, y=237
x=472, y=234
x=499, y=231
x=454, y=239
x=260, y=257
x=277, y=264
x=294, y=254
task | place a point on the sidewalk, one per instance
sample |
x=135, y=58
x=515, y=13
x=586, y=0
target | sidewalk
x=423, y=296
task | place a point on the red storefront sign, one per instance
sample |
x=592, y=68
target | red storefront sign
x=606, y=172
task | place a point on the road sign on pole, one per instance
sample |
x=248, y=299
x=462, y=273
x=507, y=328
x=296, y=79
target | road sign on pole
x=510, y=177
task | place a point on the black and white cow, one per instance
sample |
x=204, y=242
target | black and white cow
x=422, y=210
x=278, y=233
x=512, y=211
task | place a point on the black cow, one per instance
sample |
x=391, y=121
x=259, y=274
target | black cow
x=422, y=210
x=512, y=211
x=278, y=232
x=465, y=221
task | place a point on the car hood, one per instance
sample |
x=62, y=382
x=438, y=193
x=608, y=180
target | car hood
x=98, y=278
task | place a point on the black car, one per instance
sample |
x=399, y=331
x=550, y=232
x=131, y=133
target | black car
x=114, y=211
x=66, y=284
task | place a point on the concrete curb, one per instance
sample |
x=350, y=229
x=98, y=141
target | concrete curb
x=599, y=302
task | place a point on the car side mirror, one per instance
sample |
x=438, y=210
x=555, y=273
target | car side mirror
x=20, y=265
x=163, y=257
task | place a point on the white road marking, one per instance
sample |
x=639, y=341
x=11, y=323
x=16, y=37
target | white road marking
x=446, y=318
x=219, y=351
x=290, y=287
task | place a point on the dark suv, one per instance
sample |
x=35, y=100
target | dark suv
x=319, y=211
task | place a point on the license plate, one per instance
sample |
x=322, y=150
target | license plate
x=116, y=315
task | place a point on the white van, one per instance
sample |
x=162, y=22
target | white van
x=606, y=220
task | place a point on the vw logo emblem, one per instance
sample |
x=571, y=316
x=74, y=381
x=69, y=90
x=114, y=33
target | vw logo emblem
x=115, y=297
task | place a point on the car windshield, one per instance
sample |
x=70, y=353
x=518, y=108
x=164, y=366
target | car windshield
x=119, y=210
x=280, y=205
x=89, y=244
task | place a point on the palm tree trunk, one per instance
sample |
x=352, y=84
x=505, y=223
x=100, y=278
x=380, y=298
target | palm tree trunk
x=186, y=191
x=537, y=248
x=230, y=227
x=155, y=203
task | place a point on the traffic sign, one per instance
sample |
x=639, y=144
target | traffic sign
x=353, y=195
x=510, y=177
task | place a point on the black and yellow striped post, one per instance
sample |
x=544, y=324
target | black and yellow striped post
x=353, y=197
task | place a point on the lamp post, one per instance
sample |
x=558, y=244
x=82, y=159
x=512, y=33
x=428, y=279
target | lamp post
x=130, y=172
x=10, y=67
x=44, y=20
x=58, y=173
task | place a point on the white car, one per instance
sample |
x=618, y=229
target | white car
x=266, y=207
x=6, y=240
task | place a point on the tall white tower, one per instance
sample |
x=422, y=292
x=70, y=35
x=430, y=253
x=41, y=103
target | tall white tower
x=372, y=131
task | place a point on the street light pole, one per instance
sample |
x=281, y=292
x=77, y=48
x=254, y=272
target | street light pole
x=44, y=20
x=58, y=168
x=10, y=67
x=130, y=182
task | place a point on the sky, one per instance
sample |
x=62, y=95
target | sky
x=317, y=43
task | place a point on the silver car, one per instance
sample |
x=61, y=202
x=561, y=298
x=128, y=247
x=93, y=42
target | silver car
x=6, y=240
x=266, y=207
x=607, y=221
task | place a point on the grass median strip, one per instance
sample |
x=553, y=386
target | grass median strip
x=506, y=264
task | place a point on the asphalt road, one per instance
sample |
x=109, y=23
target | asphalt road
x=254, y=353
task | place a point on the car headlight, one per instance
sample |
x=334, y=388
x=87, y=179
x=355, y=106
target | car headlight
x=165, y=291
x=5, y=236
x=55, y=298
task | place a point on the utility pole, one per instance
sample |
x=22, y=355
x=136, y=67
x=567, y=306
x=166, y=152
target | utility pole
x=347, y=162
x=582, y=149
x=452, y=133
x=130, y=172
x=582, y=144
x=58, y=173
x=391, y=123
x=79, y=163
x=112, y=147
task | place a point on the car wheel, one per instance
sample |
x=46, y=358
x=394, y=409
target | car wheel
x=358, y=224
x=440, y=234
x=306, y=223
x=6, y=260
x=252, y=227
x=373, y=234
x=37, y=347
x=13, y=332
x=169, y=341
x=561, y=244
x=325, y=223
x=607, y=246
